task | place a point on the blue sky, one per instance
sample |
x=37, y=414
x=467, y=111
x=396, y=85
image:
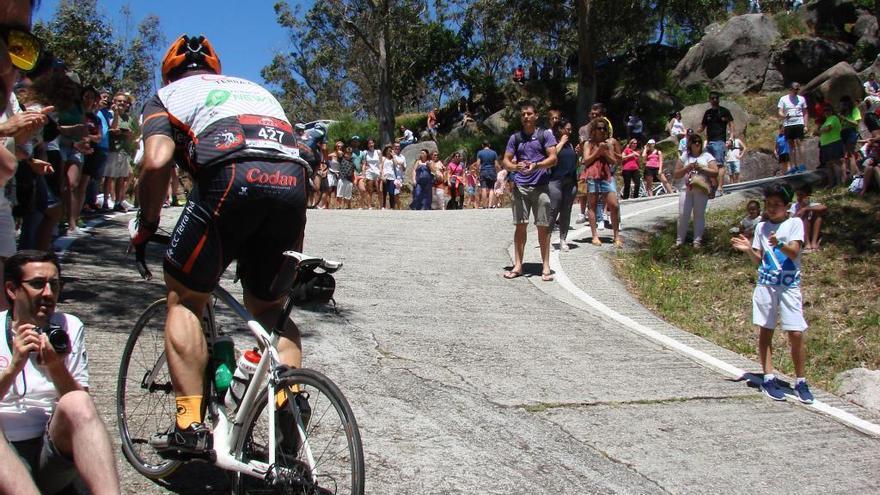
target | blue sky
x=245, y=34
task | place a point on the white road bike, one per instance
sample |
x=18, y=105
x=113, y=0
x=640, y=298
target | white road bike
x=311, y=445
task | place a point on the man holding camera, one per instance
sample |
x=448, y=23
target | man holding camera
x=46, y=411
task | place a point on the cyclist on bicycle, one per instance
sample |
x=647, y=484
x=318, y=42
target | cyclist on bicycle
x=248, y=204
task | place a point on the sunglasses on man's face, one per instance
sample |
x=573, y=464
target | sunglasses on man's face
x=24, y=48
x=39, y=284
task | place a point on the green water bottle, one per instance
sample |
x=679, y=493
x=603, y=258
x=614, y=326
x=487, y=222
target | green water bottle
x=224, y=357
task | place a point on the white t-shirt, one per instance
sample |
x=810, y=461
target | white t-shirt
x=388, y=169
x=26, y=408
x=777, y=269
x=677, y=128
x=407, y=135
x=372, y=159
x=793, y=110
x=735, y=153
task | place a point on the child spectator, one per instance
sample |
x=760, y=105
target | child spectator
x=500, y=188
x=812, y=214
x=471, y=181
x=776, y=249
x=781, y=152
x=735, y=150
x=750, y=221
x=346, y=179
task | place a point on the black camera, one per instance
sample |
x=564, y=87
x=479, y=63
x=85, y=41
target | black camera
x=57, y=337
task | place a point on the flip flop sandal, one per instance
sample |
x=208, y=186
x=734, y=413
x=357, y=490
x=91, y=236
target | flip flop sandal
x=596, y=242
x=547, y=277
x=512, y=275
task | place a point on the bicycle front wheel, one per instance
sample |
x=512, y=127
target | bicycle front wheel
x=144, y=397
x=328, y=459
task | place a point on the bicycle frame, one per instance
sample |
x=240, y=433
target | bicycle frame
x=226, y=436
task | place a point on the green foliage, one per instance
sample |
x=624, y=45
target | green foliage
x=791, y=25
x=415, y=122
x=349, y=126
x=688, y=95
x=82, y=37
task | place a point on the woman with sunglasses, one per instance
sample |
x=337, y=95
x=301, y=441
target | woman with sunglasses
x=601, y=152
x=694, y=170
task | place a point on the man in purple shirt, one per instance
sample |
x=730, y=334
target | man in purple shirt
x=530, y=152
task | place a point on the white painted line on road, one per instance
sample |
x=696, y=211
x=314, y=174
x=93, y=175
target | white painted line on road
x=671, y=343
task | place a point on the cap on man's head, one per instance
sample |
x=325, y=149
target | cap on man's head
x=300, y=126
x=651, y=141
x=355, y=138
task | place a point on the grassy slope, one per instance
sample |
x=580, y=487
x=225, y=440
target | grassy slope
x=709, y=292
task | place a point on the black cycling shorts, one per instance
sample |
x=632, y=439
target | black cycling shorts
x=247, y=211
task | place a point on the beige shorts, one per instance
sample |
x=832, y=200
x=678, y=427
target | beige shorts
x=531, y=198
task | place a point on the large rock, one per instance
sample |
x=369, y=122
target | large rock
x=861, y=386
x=692, y=116
x=498, y=122
x=802, y=59
x=734, y=57
x=866, y=30
x=465, y=129
x=835, y=82
x=758, y=165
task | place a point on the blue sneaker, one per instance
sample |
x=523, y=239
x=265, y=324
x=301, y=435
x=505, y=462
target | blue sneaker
x=802, y=390
x=771, y=389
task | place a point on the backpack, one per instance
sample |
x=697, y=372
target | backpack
x=519, y=138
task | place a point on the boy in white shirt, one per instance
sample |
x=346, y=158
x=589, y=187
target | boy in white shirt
x=776, y=249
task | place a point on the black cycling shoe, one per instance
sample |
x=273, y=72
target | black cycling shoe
x=195, y=440
x=285, y=421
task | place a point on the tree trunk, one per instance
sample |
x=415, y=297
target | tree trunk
x=386, y=103
x=586, y=62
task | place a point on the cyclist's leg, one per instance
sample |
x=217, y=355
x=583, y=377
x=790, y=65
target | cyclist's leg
x=267, y=313
x=185, y=345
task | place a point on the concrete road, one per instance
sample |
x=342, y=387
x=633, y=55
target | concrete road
x=464, y=382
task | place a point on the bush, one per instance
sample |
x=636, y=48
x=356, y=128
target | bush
x=415, y=122
x=790, y=25
x=348, y=126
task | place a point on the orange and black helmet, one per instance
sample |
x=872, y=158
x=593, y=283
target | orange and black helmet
x=189, y=53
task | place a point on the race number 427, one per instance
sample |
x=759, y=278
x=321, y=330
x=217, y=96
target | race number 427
x=270, y=134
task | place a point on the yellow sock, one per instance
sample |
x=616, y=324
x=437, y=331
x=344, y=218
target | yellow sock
x=189, y=410
x=281, y=396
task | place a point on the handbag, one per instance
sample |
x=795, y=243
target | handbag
x=697, y=181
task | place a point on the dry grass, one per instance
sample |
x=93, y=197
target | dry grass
x=709, y=292
x=764, y=126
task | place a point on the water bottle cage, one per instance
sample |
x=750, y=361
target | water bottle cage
x=312, y=287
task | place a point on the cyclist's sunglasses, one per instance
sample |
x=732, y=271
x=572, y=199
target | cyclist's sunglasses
x=24, y=48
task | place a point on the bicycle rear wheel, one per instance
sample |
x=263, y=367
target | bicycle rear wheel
x=329, y=461
x=144, y=397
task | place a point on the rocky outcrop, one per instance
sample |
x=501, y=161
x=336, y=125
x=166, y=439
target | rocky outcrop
x=498, y=122
x=734, y=57
x=692, y=116
x=835, y=82
x=860, y=386
x=802, y=59
x=831, y=17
